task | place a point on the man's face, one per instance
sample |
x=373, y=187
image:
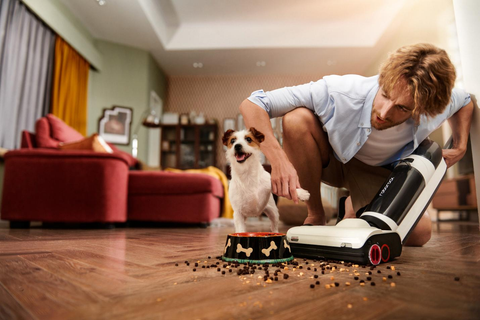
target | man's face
x=392, y=109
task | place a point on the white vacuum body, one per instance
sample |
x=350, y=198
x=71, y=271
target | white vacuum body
x=378, y=234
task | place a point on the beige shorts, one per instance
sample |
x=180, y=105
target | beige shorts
x=362, y=181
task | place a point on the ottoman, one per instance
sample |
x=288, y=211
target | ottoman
x=173, y=197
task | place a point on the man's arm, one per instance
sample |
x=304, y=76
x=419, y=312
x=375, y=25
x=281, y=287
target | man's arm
x=284, y=175
x=460, y=124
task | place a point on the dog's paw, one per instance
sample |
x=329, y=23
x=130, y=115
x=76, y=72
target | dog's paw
x=303, y=194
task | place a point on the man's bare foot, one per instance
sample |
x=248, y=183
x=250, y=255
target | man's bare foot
x=316, y=221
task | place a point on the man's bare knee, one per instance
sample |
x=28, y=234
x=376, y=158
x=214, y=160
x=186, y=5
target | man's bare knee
x=298, y=121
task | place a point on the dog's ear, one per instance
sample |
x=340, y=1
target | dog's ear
x=226, y=136
x=260, y=137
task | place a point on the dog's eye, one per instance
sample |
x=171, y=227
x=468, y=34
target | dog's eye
x=233, y=141
x=249, y=139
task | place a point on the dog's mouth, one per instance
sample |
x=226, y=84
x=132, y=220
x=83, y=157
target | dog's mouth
x=242, y=157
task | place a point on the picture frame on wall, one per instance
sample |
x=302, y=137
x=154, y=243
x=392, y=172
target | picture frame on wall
x=115, y=125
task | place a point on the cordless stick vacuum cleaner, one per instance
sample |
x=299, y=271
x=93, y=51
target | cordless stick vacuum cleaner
x=378, y=234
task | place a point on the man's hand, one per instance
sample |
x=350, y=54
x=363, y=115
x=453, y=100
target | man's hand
x=285, y=180
x=452, y=156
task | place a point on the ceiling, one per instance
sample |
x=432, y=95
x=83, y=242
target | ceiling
x=212, y=37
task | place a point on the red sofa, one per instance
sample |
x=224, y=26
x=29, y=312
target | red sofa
x=43, y=183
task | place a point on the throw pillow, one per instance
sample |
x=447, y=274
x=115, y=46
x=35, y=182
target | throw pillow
x=94, y=143
x=61, y=131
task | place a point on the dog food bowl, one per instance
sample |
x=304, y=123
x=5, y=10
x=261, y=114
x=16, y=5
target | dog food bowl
x=257, y=247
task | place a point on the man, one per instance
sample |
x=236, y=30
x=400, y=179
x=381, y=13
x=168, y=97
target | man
x=343, y=130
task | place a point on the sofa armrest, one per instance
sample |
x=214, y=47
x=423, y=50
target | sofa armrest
x=64, y=186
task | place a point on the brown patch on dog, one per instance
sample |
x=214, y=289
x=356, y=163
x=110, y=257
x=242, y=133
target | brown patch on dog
x=259, y=137
x=226, y=137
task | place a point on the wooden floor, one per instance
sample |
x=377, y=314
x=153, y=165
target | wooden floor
x=132, y=273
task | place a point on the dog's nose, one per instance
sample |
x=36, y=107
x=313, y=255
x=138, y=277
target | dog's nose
x=238, y=147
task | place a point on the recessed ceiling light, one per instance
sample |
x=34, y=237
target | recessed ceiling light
x=261, y=63
x=101, y=2
x=198, y=65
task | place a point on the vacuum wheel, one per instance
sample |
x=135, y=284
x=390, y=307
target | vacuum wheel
x=375, y=254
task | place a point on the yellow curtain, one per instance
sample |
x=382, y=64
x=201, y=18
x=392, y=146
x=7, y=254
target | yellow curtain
x=70, y=86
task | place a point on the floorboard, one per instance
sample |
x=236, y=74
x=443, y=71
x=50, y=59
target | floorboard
x=141, y=273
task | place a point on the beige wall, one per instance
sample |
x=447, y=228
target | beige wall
x=219, y=97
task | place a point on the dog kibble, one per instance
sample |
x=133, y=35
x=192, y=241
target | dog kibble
x=398, y=273
x=317, y=282
x=356, y=278
x=194, y=269
x=223, y=272
x=315, y=276
x=337, y=284
x=372, y=284
x=285, y=276
x=369, y=278
x=390, y=276
x=457, y=279
x=312, y=286
x=392, y=284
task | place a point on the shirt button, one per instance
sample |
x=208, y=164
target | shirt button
x=361, y=123
x=358, y=143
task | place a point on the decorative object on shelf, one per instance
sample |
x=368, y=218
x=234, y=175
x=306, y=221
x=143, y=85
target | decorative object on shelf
x=115, y=124
x=240, y=122
x=192, y=116
x=228, y=124
x=184, y=119
x=170, y=118
x=200, y=119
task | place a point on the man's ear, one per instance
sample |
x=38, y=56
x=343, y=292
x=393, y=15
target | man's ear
x=260, y=137
x=226, y=136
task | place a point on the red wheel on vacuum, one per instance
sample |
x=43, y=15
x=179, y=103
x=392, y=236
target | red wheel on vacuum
x=385, y=253
x=375, y=254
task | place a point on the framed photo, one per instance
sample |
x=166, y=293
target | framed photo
x=228, y=124
x=184, y=119
x=240, y=123
x=115, y=124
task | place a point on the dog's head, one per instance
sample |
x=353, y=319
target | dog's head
x=242, y=144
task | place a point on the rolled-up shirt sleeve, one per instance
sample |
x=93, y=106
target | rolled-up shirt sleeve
x=276, y=103
x=459, y=99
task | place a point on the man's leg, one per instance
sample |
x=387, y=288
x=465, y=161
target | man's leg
x=307, y=147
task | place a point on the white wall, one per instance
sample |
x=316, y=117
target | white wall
x=467, y=17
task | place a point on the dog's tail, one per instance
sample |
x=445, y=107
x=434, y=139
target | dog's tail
x=303, y=194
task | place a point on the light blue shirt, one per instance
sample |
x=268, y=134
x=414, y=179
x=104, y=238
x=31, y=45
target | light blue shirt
x=344, y=106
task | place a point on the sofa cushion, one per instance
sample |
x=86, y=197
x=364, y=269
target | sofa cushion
x=43, y=136
x=93, y=143
x=50, y=130
x=160, y=182
x=132, y=161
x=62, y=131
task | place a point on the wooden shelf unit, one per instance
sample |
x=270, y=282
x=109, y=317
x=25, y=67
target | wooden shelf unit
x=188, y=146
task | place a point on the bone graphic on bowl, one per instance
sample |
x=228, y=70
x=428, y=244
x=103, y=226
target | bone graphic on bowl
x=287, y=245
x=248, y=251
x=229, y=243
x=267, y=251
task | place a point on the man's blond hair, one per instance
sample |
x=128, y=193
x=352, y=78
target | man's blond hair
x=429, y=73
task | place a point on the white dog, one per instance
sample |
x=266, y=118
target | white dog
x=250, y=188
